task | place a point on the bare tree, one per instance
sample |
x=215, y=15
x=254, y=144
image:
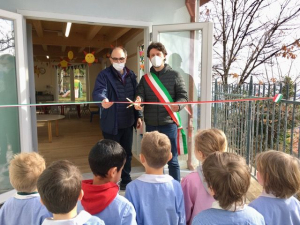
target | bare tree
x=7, y=37
x=249, y=34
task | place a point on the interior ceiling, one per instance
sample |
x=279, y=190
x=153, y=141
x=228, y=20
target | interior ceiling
x=49, y=39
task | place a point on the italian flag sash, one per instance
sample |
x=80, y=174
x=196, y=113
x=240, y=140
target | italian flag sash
x=164, y=96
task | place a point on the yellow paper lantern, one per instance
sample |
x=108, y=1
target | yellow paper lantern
x=70, y=55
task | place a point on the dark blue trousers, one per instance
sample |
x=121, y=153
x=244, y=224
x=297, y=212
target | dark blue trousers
x=124, y=138
x=171, y=131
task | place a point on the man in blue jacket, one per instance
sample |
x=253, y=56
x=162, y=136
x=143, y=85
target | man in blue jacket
x=116, y=83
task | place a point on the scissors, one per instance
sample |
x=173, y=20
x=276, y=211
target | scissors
x=130, y=104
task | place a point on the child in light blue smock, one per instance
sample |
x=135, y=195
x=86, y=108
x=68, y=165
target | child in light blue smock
x=279, y=175
x=156, y=197
x=25, y=207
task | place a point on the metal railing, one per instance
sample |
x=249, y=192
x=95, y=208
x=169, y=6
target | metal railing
x=255, y=126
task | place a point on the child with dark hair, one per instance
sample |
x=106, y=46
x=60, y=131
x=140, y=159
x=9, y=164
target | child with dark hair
x=228, y=179
x=60, y=189
x=101, y=198
x=279, y=174
x=196, y=193
x=157, y=197
x=24, y=171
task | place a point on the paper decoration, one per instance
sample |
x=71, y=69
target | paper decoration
x=89, y=58
x=63, y=64
x=36, y=71
x=70, y=55
x=141, y=58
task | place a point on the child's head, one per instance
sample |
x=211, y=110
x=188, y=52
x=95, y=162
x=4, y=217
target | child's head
x=24, y=171
x=278, y=173
x=105, y=156
x=209, y=141
x=156, y=148
x=60, y=187
x=228, y=176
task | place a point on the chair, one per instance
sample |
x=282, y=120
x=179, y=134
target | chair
x=94, y=110
x=85, y=109
x=54, y=109
x=72, y=109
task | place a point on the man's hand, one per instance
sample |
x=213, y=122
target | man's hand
x=175, y=108
x=139, y=123
x=106, y=104
x=138, y=106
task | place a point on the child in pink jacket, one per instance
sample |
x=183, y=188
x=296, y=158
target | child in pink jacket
x=195, y=190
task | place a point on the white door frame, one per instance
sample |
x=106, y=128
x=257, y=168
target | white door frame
x=206, y=63
x=22, y=86
x=22, y=78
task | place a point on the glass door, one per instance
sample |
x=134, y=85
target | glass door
x=189, y=48
x=15, y=129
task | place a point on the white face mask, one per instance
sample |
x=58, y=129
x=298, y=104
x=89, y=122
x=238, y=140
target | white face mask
x=156, y=61
x=119, y=66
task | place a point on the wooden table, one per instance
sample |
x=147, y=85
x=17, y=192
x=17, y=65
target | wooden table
x=49, y=118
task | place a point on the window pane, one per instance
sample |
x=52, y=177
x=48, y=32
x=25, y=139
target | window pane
x=184, y=56
x=9, y=116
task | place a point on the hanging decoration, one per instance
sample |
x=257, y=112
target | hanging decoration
x=142, y=57
x=89, y=58
x=37, y=71
x=63, y=64
x=70, y=55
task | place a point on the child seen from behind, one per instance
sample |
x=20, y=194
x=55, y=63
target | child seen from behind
x=25, y=207
x=60, y=189
x=101, y=198
x=279, y=175
x=228, y=179
x=157, y=197
x=196, y=193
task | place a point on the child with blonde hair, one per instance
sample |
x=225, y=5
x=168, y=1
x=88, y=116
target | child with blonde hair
x=156, y=197
x=228, y=179
x=195, y=190
x=25, y=207
x=279, y=175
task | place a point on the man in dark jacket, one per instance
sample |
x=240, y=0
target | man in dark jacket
x=156, y=116
x=116, y=83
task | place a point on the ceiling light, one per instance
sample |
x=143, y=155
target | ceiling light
x=68, y=29
x=47, y=56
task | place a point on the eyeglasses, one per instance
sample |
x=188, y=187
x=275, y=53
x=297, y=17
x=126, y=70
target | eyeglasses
x=118, y=59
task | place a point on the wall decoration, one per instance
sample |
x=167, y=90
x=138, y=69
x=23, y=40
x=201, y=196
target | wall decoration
x=142, y=58
x=37, y=71
x=42, y=70
x=89, y=58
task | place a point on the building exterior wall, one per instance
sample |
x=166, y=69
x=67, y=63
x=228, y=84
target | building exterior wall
x=155, y=11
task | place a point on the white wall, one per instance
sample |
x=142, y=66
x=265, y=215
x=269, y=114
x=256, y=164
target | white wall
x=45, y=79
x=131, y=47
x=156, y=11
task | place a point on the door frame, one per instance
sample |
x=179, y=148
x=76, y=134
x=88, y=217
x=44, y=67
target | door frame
x=22, y=77
x=22, y=86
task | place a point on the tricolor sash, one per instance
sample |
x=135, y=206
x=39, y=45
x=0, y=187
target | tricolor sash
x=164, y=96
